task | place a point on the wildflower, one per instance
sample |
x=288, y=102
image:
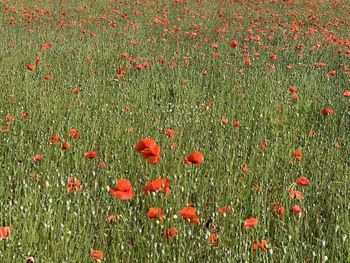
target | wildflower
x=297, y=154
x=224, y=121
x=45, y=46
x=214, y=237
x=47, y=77
x=190, y=213
x=196, y=158
x=38, y=157
x=55, y=139
x=302, y=181
x=327, y=111
x=234, y=44
x=171, y=233
x=74, y=133
x=170, y=133
x=279, y=211
x=97, y=255
x=295, y=194
x=250, y=222
x=102, y=165
x=76, y=91
x=123, y=190
x=273, y=56
x=4, y=231
x=73, y=185
x=155, y=212
x=236, y=124
x=293, y=89
x=121, y=72
x=149, y=150
x=224, y=210
x=31, y=67
x=111, y=218
x=346, y=93
x=65, y=146
x=9, y=118
x=24, y=115
x=263, y=144
x=297, y=210
x=160, y=184
x=90, y=155
x=312, y=133
x=332, y=73
x=245, y=168
x=260, y=245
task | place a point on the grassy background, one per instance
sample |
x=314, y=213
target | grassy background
x=56, y=226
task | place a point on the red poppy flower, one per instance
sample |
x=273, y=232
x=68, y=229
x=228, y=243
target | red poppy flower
x=149, y=150
x=297, y=210
x=38, y=157
x=297, y=154
x=102, y=165
x=144, y=144
x=171, y=233
x=155, y=212
x=263, y=144
x=224, y=121
x=190, y=213
x=295, y=194
x=346, y=93
x=196, y=158
x=74, y=134
x=332, y=73
x=279, y=211
x=302, y=181
x=4, y=231
x=160, y=184
x=9, y=118
x=153, y=159
x=273, y=56
x=55, y=139
x=293, y=89
x=260, y=245
x=97, y=255
x=5, y=128
x=224, y=210
x=123, y=190
x=245, y=168
x=250, y=222
x=24, y=115
x=31, y=67
x=65, y=146
x=90, y=155
x=48, y=77
x=73, y=185
x=214, y=238
x=45, y=46
x=327, y=111
x=121, y=72
x=234, y=44
x=170, y=133
x=111, y=218
x=75, y=91
x=236, y=124
x=319, y=65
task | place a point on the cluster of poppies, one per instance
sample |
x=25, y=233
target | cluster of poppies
x=150, y=150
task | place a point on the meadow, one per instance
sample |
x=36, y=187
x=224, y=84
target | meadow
x=175, y=131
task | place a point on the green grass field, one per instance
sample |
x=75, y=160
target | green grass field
x=220, y=75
